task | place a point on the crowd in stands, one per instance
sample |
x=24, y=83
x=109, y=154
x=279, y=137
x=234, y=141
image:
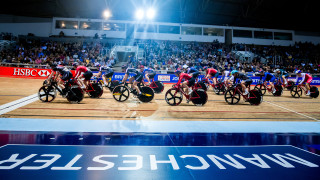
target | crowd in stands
x=44, y=53
x=168, y=55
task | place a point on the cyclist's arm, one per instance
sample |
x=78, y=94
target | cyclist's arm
x=303, y=78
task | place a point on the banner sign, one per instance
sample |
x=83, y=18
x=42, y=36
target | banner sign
x=165, y=78
x=157, y=162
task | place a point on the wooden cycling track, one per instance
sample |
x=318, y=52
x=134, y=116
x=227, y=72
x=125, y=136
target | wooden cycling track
x=284, y=108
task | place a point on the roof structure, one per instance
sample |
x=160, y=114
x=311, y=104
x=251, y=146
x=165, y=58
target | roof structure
x=283, y=14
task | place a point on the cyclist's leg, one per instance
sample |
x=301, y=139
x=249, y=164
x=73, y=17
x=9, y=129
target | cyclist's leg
x=244, y=89
x=135, y=86
x=185, y=86
x=147, y=77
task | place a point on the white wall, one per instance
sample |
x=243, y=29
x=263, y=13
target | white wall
x=38, y=29
x=261, y=41
x=177, y=37
x=313, y=39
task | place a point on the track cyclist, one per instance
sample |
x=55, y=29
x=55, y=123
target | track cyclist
x=64, y=72
x=212, y=74
x=306, y=78
x=245, y=81
x=268, y=77
x=148, y=73
x=283, y=75
x=188, y=81
x=137, y=78
x=87, y=74
x=106, y=72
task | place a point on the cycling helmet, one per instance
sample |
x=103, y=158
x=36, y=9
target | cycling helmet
x=75, y=64
x=205, y=68
x=177, y=72
x=234, y=72
x=141, y=67
x=276, y=70
x=185, y=66
x=298, y=71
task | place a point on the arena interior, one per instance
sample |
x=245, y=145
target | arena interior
x=149, y=89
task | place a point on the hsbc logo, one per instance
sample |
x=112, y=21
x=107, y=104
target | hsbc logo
x=43, y=73
x=30, y=72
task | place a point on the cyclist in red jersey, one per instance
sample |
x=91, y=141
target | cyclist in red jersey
x=212, y=74
x=87, y=74
x=189, y=80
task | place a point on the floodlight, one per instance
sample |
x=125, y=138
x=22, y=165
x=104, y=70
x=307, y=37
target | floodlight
x=106, y=14
x=139, y=14
x=151, y=13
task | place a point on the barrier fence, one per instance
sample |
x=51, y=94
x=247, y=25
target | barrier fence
x=165, y=78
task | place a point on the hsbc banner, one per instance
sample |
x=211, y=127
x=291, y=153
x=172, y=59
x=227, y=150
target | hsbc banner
x=157, y=162
x=24, y=72
x=165, y=78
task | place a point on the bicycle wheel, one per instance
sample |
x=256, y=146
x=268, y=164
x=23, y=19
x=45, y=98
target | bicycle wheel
x=296, y=92
x=97, y=90
x=121, y=93
x=262, y=88
x=47, y=93
x=314, y=92
x=173, y=97
x=199, y=97
x=255, y=97
x=279, y=90
x=74, y=95
x=202, y=85
x=231, y=96
x=113, y=84
x=147, y=94
x=157, y=86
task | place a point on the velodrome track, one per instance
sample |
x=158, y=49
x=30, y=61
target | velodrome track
x=284, y=108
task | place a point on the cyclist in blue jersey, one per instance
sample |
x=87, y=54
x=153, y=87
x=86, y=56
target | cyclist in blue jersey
x=136, y=78
x=193, y=72
x=148, y=73
x=106, y=72
x=282, y=74
x=268, y=77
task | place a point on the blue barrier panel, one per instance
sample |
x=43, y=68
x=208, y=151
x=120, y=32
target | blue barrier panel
x=157, y=162
x=171, y=78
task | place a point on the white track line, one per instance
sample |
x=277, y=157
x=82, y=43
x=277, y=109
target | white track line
x=292, y=111
x=18, y=103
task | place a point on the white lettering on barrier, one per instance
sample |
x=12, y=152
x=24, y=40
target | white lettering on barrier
x=16, y=71
x=16, y=162
x=46, y=164
x=70, y=164
x=154, y=162
x=99, y=160
x=175, y=78
x=204, y=163
x=279, y=159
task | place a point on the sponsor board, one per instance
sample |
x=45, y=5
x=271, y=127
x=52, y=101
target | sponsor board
x=157, y=162
x=166, y=78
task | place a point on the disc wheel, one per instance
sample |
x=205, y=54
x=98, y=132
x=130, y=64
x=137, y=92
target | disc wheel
x=314, y=92
x=75, y=95
x=157, y=87
x=97, y=90
x=296, y=92
x=279, y=90
x=121, y=93
x=47, y=93
x=262, y=88
x=231, y=96
x=255, y=97
x=147, y=94
x=202, y=85
x=199, y=97
x=290, y=85
x=173, y=97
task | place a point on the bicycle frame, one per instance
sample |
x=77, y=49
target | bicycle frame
x=180, y=89
x=238, y=89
